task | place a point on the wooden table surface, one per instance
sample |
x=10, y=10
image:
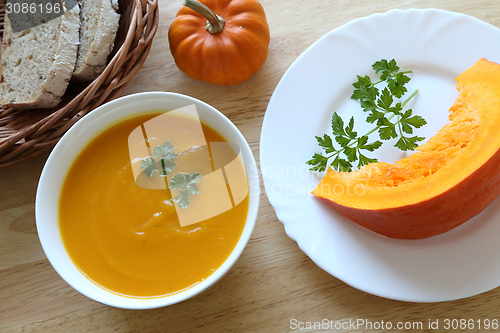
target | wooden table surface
x=274, y=284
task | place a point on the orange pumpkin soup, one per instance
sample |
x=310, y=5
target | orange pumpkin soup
x=127, y=238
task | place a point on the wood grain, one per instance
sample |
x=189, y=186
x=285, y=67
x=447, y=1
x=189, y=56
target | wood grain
x=273, y=282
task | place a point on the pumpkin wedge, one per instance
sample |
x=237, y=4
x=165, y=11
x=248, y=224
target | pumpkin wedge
x=452, y=177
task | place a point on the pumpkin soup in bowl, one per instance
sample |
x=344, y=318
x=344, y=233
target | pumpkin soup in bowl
x=141, y=208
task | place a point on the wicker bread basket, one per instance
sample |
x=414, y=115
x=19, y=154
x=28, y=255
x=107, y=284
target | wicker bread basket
x=27, y=133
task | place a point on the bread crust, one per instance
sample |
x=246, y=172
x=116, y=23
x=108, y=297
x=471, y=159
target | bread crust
x=94, y=51
x=18, y=87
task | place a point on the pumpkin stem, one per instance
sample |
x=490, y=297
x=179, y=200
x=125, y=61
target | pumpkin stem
x=215, y=23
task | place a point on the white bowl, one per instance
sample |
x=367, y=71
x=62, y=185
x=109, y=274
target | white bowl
x=71, y=144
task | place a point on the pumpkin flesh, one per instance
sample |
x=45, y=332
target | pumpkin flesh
x=453, y=177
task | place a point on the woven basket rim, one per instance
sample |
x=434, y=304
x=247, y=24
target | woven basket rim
x=25, y=134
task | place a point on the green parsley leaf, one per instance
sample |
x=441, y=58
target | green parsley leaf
x=165, y=151
x=381, y=107
x=318, y=162
x=182, y=200
x=385, y=100
x=166, y=155
x=385, y=68
x=149, y=166
x=362, y=144
x=167, y=166
x=363, y=160
x=368, y=105
x=365, y=92
x=343, y=141
x=404, y=144
x=406, y=128
x=185, y=181
x=363, y=87
x=389, y=72
x=341, y=164
x=351, y=154
x=387, y=130
x=337, y=125
x=410, y=143
x=326, y=143
x=374, y=116
x=186, y=184
x=349, y=129
x=396, y=109
x=397, y=87
x=415, y=121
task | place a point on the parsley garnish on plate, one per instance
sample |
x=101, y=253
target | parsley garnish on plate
x=184, y=182
x=381, y=108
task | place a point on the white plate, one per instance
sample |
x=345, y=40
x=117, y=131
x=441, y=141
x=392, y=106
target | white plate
x=437, y=45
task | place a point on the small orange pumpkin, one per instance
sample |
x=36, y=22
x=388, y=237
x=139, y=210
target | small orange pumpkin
x=222, y=42
x=454, y=177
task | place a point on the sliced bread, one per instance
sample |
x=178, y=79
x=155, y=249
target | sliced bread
x=37, y=63
x=99, y=24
